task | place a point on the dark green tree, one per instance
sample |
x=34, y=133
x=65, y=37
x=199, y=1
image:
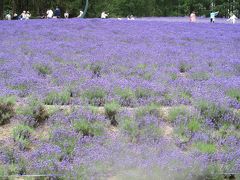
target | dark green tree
x=123, y=8
x=1, y=9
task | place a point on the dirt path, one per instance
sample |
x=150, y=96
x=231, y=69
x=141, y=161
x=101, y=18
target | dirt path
x=6, y=131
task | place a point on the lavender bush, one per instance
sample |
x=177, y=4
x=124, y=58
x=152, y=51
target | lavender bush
x=151, y=98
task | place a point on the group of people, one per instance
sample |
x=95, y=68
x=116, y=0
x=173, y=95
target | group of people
x=57, y=14
x=50, y=14
x=24, y=16
x=104, y=15
x=233, y=18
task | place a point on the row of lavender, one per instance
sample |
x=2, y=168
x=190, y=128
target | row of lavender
x=163, y=61
x=143, y=65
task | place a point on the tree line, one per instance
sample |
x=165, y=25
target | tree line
x=123, y=8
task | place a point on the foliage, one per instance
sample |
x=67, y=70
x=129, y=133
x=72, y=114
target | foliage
x=184, y=67
x=59, y=98
x=95, y=96
x=162, y=44
x=88, y=128
x=129, y=126
x=43, y=69
x=142, y=93
x=216, y=113
x=65, y=140
x=234, y=93
x=96, y=69
x=21, y=134
x=186, y=97
x=213, y=171
x=152, y=109
x=194, y=125
x=111, y=109
x=6, y=109
x=174, y=113
x=205, y=147
x=35, y=112
x=200, y=76
x=124, y=8
x=126, y=95
x=173, y=76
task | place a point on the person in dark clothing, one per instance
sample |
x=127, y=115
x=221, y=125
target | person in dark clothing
x=57, y=12
x=15, y=16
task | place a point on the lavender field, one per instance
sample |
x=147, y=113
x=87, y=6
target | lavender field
x=109, y=99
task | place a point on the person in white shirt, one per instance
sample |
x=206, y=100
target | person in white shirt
x=193, y=17
x=80, y=14
x=233, y=18
x=131, y=17
x=23, y=15
x=104, y=15
x=28, y=15
x=66, y=15
x=8, y=16
x=49, y=14
x=213, y=16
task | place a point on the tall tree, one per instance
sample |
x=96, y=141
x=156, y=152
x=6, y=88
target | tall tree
x=122, y=8
x=1, y=9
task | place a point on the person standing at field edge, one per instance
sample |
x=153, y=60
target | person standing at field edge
x=193, y=17
x=57, y=12
x=104, y=15
x=49, y=13
x=8, y=16
x=80, y=14
x=232, y=18
x=212, y=16
x=15, y=16
x=66, y=15
x=28, y=15
x=23, y=15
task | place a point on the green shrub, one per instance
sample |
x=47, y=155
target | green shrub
x=6, y=109
x=88, y=128
x=59, y=98
x=96, y=69
x=152, y=109
x=206, y=147
x=43, y=69
x=2, y=171
x=214, y=112
x=111, y=109
x=167, y=99
x=200, y=76
x=141, y=93
x=21, y=135
x=147, y=76
x=173, y=76
x=176, y=112
x=141, y=66
x=184, y=67
x=20, y=87
x=194, y=125
x=36, y=112
x=126, y=95
x=65, y=139
x=213, y=172
x=186, y=95
x=234, y=93
x=151, y=131
x=129, y=126
x=95, y=96
x=202, y=106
